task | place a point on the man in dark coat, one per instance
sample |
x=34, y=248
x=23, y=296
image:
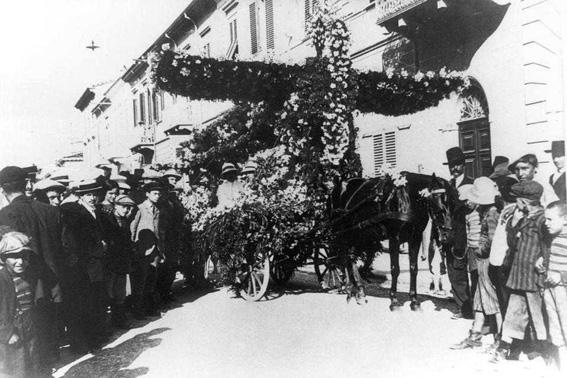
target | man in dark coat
x=84, y=279
x=456, y=251
x=557, y=179
x=41, y=223
x=119, y=256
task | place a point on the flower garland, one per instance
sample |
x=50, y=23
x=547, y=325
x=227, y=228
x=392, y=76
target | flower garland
x=336, y=130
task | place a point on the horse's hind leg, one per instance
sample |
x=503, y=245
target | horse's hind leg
x=414, y=244
x=394, y=249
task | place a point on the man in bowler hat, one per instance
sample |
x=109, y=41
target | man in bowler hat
x=455, y=252
x=557, y=179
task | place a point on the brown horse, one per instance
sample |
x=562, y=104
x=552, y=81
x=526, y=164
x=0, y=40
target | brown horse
x=364, y=212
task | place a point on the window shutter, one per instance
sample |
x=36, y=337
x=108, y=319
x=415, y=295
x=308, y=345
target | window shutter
x=390, y=148
x=384, y=151
x=269, y=24
x=149, y=99
x=142, y=109
x=253, y=31
x=378, y=153
x=135, y=111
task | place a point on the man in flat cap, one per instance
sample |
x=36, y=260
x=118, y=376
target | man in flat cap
x=557, y=179
x=526, y=245
x=119, y=256
x=525, y=169
x=41, y=223
x=455, y=253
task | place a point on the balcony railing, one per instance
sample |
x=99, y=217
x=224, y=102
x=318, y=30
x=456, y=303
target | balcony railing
x=388, y=9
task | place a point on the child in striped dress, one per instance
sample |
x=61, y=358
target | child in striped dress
x=555, y=267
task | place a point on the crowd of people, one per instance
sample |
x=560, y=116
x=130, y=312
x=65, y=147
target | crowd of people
x=77, y=260
x=507, y=262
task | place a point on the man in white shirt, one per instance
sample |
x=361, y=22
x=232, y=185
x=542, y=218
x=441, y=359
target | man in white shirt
x=231, y=188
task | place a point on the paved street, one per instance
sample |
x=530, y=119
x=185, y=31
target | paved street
x=302, y=333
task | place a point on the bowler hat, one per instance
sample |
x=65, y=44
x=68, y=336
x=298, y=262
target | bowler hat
x=455, y=156
x=228, y=168
x=557, y=148
x=124, y=200
x=531, y=190
x=87, y=186
x=12, y=174
x=151, y=186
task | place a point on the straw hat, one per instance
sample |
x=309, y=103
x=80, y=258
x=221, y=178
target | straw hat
x=172, y=172
x=48, y=184
x=250, y=167
x=86, y=186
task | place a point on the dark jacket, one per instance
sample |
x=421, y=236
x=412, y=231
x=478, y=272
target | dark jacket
x=42, y=224
x=559, y=187
x=85, y=238
x=459, y=222
x=172, y=214
x=118, y=258
x=8, y=303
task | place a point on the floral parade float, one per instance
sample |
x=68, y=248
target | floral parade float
x=296, y=123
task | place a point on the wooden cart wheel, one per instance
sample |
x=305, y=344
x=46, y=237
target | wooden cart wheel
x=254, y=281
x=281, y=272
x=329, y=274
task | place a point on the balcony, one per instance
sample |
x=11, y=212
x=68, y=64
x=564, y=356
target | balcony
x=144, y=140
x=389, y=9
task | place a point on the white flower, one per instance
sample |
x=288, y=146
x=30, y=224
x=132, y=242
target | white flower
x=418, y=76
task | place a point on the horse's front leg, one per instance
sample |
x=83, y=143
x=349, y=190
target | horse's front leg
x=394, y=248
x=414, y=243
x=356, y=288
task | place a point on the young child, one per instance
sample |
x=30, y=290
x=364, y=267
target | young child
x=17, y=333
x=481, y=223
x=555, y=267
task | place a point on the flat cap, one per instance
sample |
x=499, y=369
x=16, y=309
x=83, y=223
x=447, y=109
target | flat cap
x=12, y=174
x=531, y=190
x=124, y=200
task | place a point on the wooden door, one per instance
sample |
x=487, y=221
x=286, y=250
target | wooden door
x=474, y=140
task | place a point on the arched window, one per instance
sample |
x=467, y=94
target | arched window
x=473, y=104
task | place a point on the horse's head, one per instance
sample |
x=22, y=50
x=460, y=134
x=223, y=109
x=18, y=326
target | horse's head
x=440, y=206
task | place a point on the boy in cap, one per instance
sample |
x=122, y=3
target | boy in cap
x=17, y=305
x=554, y=267
x=119, y=256
x=525, y=242
x=525, y=169
x=41, y=223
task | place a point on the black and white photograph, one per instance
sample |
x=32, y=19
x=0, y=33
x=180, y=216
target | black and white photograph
x=283, y=188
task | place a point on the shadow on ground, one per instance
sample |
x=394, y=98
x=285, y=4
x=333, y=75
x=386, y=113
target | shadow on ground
x=113, y=362
x=303, y=282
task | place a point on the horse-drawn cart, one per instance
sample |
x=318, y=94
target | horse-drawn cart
x=359, y=215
